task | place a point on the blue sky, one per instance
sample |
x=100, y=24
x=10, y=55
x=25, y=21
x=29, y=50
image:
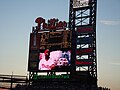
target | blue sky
x=17, y=19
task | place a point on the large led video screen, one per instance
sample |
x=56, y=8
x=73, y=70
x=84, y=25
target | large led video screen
x=58, y=60
x=59, y=45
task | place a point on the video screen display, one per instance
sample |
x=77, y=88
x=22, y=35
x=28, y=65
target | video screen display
x=54, y=59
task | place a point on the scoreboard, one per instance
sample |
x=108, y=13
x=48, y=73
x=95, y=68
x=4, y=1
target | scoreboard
x=58, y=42
x=57, y=39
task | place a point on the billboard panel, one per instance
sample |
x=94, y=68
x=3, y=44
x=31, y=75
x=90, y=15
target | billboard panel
x=83, y=63
x=80, y=3
x=85, y=40
x=85, y=30
x=84, y=51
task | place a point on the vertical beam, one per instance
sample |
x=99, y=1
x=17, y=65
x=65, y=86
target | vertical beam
x=73, y=45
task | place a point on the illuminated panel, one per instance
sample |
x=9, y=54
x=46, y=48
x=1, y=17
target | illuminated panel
x=84, y=30
x=56, y=39
x=44, y=37
x=80, y=3
x=84, y=60
x=58, y=60
x=84, y=51
x=83, y=63
x=36, y=77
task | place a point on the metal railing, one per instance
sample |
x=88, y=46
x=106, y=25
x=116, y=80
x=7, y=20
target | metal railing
x=10, y=81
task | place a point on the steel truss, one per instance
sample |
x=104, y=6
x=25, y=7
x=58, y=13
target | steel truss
x=82, y=22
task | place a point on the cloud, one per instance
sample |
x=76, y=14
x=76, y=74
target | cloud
x=115, y=63
x=110, y=22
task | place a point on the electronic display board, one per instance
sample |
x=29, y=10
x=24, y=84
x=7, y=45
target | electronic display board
x=58, y=43
x=54, y=59
x=50, y=46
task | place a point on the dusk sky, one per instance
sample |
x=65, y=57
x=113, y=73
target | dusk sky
x=18, y=16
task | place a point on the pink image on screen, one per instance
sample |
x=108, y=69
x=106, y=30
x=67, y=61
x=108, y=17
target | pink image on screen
x=56, y=58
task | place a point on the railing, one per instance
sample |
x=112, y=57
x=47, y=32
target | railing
x=10, y=81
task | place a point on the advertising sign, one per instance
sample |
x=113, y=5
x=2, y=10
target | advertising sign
x=52, y=24
x=80, y=3
x=63, y=76
x=84, y=51
x=85, y=60
x=85, y=40
x=83, y=63
x=84, y=30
